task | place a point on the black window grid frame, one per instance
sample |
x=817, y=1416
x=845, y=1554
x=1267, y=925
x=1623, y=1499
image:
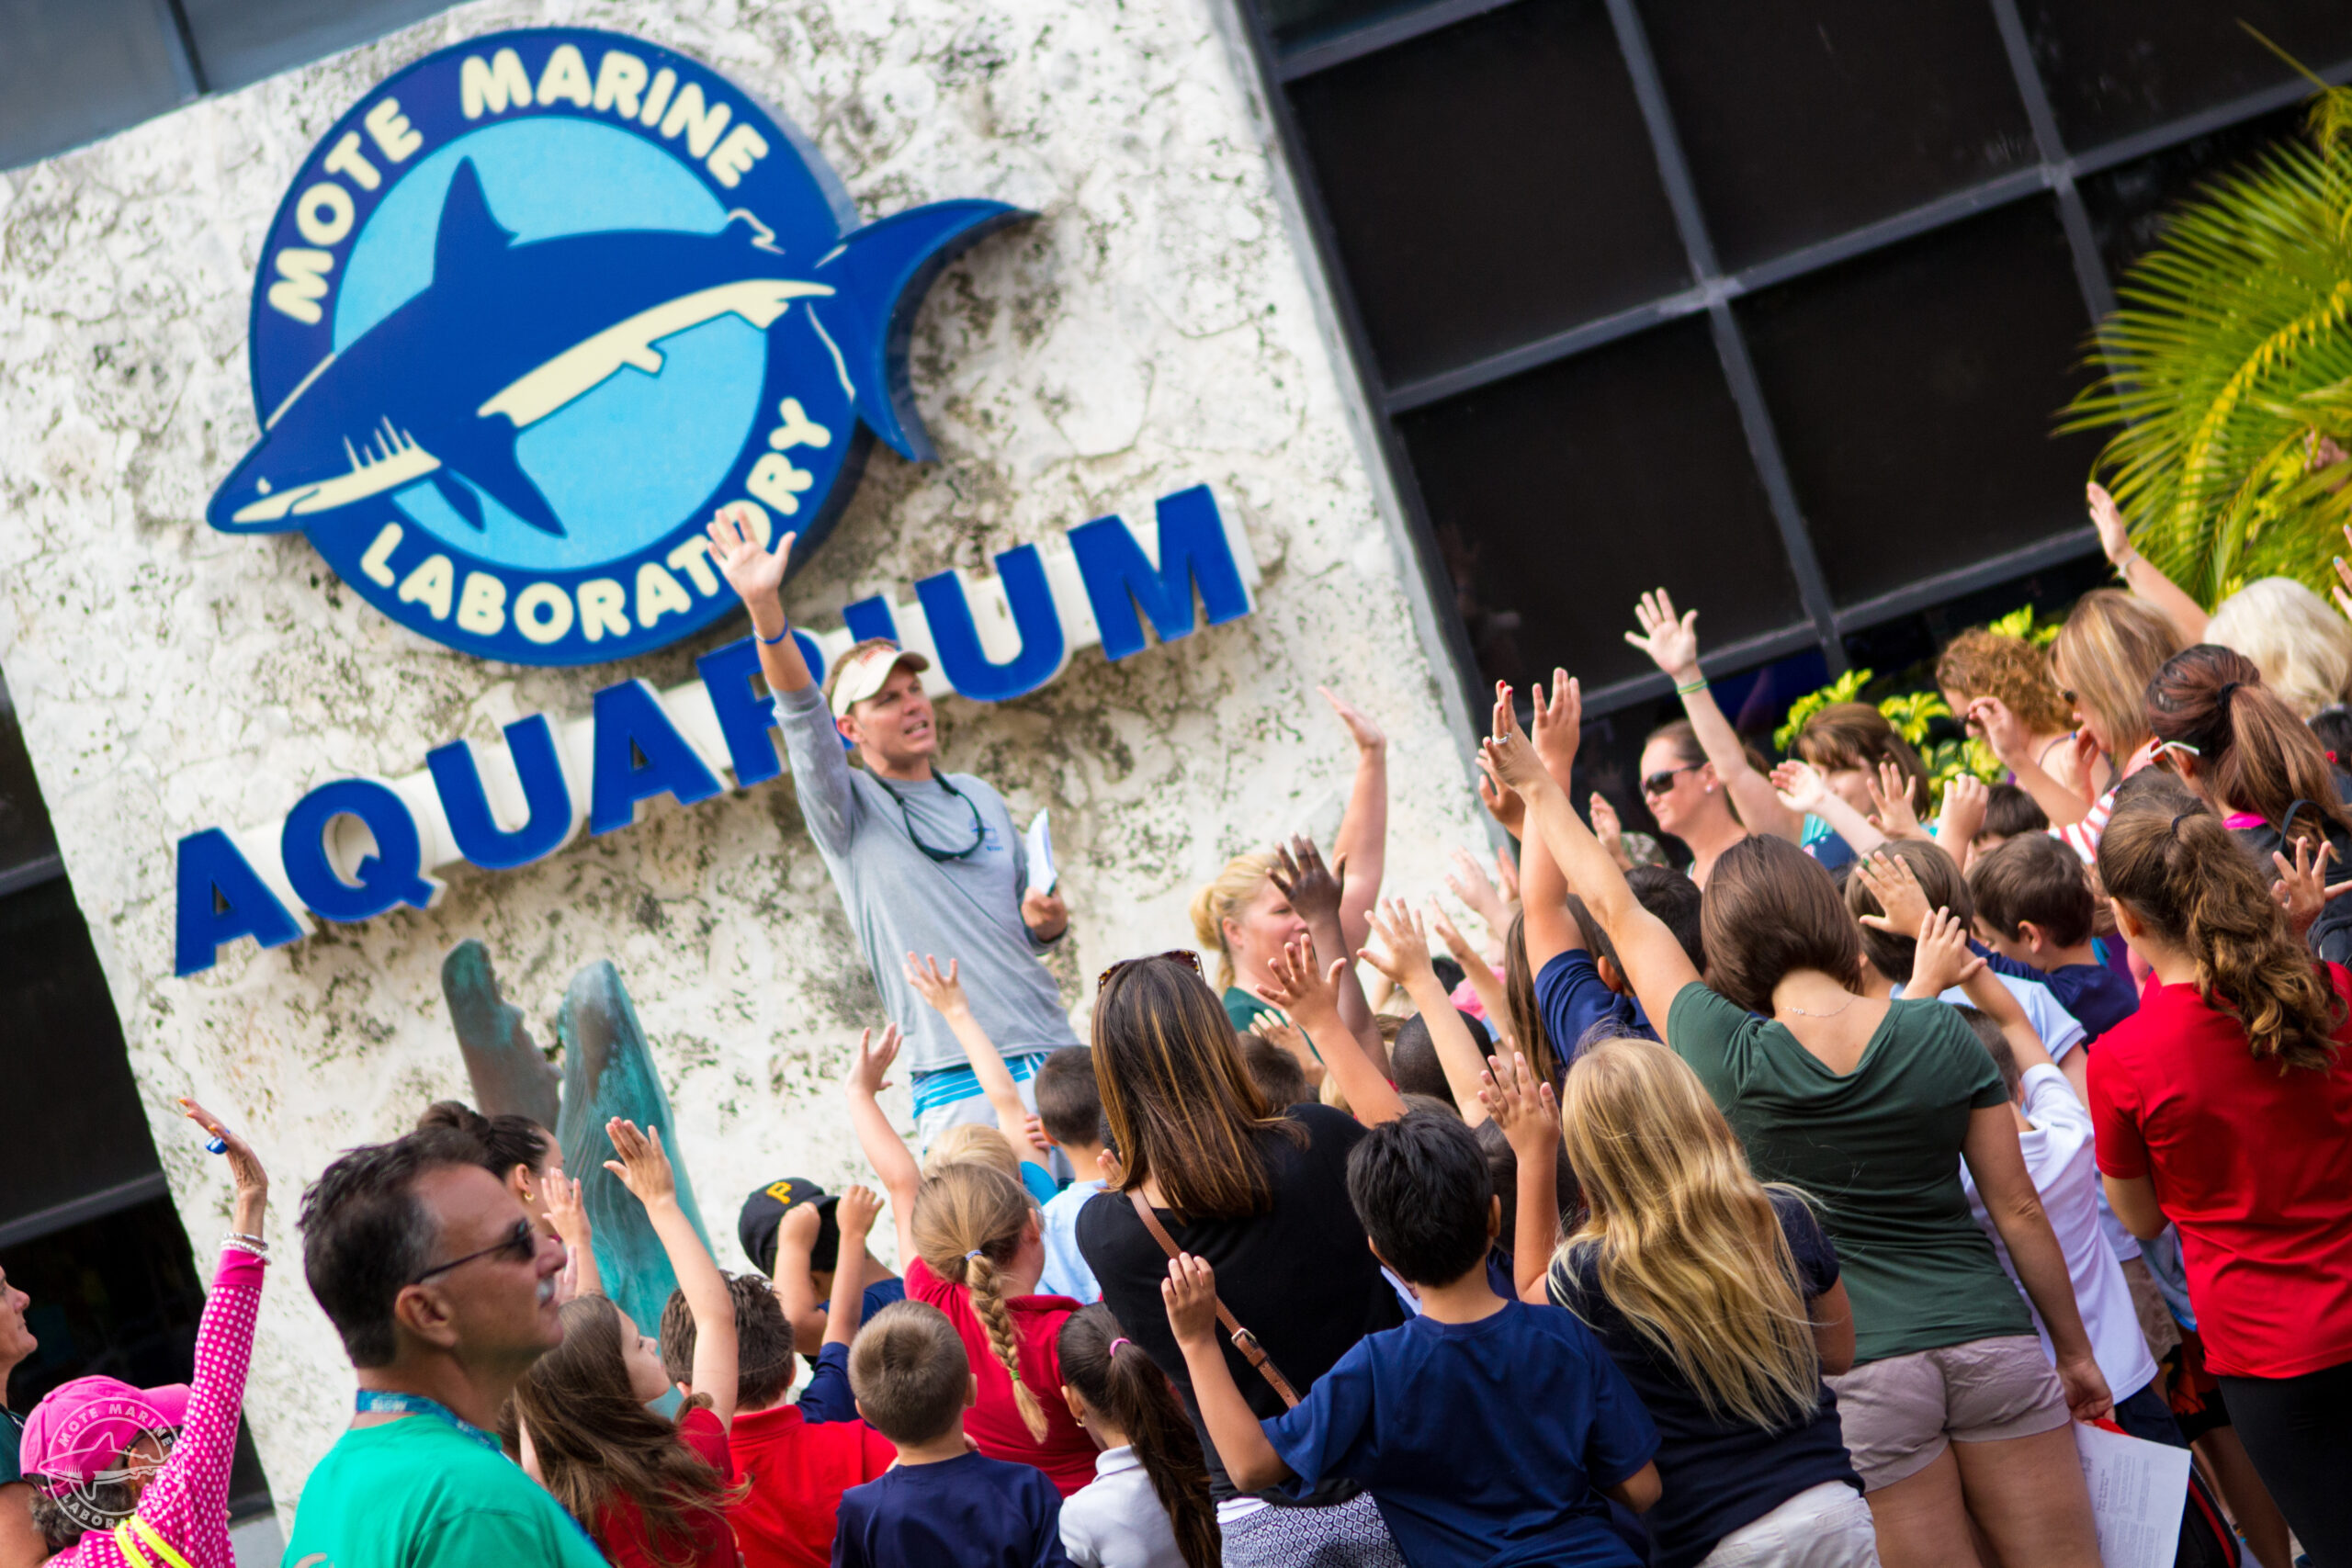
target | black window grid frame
x=2056, y=174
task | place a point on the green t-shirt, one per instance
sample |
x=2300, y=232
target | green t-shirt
x=419, y=1494
x=1879, y=1148
x=1245, y=1009
x=12, y=1431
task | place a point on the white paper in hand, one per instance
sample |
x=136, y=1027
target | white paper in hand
x=1038, y=842
x=2137, y=1491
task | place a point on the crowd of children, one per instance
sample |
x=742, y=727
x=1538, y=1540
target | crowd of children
x=1791, y=1209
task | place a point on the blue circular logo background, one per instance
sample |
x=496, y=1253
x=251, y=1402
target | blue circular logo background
x=535, y=307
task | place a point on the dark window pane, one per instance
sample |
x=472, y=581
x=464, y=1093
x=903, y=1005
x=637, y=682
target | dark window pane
x=62, y=1051
x=2114, y=67
x=243, y=41
x=1557, y=496
x=27, y=848
x=1801, y=120
x=1489, y=183
x=1913, y=391
x=72, y=71
x=2129, y=204
x=1293, y=23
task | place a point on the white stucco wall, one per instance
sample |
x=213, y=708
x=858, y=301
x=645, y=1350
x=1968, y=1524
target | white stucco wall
x=1154, y=330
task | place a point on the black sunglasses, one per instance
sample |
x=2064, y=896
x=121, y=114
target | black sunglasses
x=522, y=1243
x=1663, y=780
x=1183, y=955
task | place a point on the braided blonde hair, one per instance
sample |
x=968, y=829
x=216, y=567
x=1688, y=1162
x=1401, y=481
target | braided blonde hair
x=969, y=1220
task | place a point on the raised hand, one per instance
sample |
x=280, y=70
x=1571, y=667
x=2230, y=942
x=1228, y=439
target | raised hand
x=854, y=1214
x=867, y=1073
x=246, y=1172
x=739, y=537
x=1468, y=882
x=2003, y=730
x=1401, y=947
x=1608, y=830
x=1312, y=888
x=1893, y=884
x=566, y=1212
x=1800, y=785
x=2114, y=538
x=1508, y=757
x=1189, y=1295
x=1942, y=960
x=644, y=1167
x=1891, y=792
x=1509, y=811
x=944, y=992
x=1520, y=1104
x=1965, y=798
x=1309, y=992
x=1456, y=942
x=1366, y=734
x=1558, y=724
x=1672, y=645
x=2303, y=889
x=1507, y=877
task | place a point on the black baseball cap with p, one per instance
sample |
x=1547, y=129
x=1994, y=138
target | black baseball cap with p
x=762, y=1215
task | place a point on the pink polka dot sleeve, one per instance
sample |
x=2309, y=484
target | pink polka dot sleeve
x=189, y=1502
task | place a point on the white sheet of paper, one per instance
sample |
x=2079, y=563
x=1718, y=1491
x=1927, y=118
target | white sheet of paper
x=2138, y=1489
x=1038, y=841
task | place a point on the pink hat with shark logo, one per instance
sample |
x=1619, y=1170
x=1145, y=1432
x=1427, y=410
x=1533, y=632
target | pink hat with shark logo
x=79, y=1430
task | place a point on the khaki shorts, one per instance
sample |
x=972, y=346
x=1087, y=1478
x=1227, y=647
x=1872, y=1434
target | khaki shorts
x=1900, y=1414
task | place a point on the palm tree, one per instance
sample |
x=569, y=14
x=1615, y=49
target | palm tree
x=2228, y=372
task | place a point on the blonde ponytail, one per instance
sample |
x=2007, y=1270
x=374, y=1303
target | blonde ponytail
x=968, y=1220
x=1224, y=899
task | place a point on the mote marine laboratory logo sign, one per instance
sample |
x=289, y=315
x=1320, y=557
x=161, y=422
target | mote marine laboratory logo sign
x=538, y=304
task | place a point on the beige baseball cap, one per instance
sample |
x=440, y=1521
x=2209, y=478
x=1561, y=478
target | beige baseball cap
x=861, y=670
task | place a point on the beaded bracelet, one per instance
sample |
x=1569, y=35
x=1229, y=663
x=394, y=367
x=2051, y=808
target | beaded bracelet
x=242, y=1243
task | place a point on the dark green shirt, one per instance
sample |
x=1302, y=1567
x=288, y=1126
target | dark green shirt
x=1245, y=1009
x=1879, y=1149
x=12, y=1430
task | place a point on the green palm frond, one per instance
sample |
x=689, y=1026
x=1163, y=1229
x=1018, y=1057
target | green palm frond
x=1847, y=688
x=2019, y=623
x=2230, y=357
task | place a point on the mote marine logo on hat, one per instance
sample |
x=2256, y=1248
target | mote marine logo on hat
x=540, y=302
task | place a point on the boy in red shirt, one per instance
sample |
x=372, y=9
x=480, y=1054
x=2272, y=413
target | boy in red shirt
x=798, y=1458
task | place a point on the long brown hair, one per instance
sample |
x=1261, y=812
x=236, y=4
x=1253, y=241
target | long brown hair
x=1130, y=1392
x=1683, y=1238
x=1770, y=908
x=1183, y=1108
x=969, y=1222
x=598, y=1444
x=1526, y=1015
x=2110, y=649
x=1856, y=735
x=2166, y=858
x=2257, y=754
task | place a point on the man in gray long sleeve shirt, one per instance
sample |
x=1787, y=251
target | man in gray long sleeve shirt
x=924, y=861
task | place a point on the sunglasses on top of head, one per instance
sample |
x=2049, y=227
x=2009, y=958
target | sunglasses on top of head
x=1183, y=955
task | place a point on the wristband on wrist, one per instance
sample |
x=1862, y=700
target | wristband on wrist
x=771, y=641
x=1698, y=685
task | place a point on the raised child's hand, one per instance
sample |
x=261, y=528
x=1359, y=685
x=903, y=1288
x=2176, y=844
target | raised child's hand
x=1468, y=882
x=1892, y=882
x=867, y=1074
x=1312, y=888
x=1456, y=942
x=1965, y=798
x=644, y=1168
x=1190, y=1294
x=1800, y=785
x=2303, y=888
x=1308, y=992
x=1608, y=830
x=1942, y=960
x=566, y=1212
x=1891, y=792
x=854, y=1214
x=942, y=991
x=1520, y=1104
x=1401, y=948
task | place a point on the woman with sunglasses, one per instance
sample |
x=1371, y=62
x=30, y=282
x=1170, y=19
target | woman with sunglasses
x=1696, y=777
x=652, y=1493
x=1208, y=1167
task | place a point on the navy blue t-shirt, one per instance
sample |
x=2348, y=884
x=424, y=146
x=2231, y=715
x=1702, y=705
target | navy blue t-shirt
x=969, y=1512
x=2098, y=995
x=1481, y=1442
x=1718, y=1475
x=1570, y=1000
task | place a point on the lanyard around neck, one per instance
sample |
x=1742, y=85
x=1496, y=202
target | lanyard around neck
x=980, y=829
x=385, y=1402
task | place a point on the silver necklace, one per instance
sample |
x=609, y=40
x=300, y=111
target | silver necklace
x=1833, y=1013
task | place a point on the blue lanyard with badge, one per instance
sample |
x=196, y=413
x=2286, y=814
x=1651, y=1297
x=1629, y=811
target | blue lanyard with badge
x=383, y=1402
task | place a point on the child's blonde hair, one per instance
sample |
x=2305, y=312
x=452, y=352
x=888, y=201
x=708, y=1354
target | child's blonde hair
x=969, y=1220
x=973, y=1143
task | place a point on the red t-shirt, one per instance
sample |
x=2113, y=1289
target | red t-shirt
x=2254, y=1170
x=1067, y=1454
x=798, y=1470
x=620, y=1525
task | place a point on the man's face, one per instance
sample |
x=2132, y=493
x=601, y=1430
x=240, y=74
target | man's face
x=17, y=1341
x=501, y=1306
x=894, y=723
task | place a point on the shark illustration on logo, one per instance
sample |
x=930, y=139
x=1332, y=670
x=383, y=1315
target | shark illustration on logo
x=398, y=426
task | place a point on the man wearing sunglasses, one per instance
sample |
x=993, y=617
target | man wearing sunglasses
x=443, y=1294
x=924, y=861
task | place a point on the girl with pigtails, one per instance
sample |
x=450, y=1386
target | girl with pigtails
x=978, y=1247
x=2224, y=1107
x=1148, y=1505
